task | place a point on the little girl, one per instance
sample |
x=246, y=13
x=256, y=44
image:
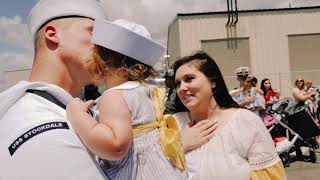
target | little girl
x=123, y=59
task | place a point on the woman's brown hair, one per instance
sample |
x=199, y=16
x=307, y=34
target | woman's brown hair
x=205, y=64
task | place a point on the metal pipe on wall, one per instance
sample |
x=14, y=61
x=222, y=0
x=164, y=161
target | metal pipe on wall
x=235, y=25
x=228, y=24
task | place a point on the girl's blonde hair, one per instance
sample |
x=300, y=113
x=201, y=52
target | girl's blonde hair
x=104, y=58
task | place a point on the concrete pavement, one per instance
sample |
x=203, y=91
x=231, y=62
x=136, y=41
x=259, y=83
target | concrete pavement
x=299, y=170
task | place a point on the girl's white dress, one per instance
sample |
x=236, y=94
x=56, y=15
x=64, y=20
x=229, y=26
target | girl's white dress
x=240, y=150
x=145, y=159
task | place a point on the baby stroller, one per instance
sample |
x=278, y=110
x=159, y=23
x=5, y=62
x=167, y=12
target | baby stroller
x=276, y=122
x=293, y=126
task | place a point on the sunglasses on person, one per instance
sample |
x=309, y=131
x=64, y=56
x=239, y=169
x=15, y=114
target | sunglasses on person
x=300, y=81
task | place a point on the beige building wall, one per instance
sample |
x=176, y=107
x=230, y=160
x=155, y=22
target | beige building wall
x=2, y=80
x=173, y=44
x=304, y=52
x=227, y=60
x=267, y=32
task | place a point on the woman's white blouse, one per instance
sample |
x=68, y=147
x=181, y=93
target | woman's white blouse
x=243, y=144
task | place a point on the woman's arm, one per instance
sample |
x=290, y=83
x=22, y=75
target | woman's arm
x=259, y=148
x=111, y=137
x=300, y=97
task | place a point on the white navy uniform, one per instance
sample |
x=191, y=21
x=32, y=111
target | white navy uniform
x=37, y=141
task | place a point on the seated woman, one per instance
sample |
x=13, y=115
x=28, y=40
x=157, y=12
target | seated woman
x=299, y=93
x=242, y=147
x=270, y=95
x=303, y=98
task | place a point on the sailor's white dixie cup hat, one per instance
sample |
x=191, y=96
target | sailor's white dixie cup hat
x=47, y=10
x=242, y=71
x=127, y=38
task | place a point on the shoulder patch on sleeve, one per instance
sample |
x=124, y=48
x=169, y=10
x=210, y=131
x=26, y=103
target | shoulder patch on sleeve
x=35, y=131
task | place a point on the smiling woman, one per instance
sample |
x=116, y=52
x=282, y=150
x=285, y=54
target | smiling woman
x=241, y=147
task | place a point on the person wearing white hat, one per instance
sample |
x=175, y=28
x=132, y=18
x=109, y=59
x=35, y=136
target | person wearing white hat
x=129, y=114
x=246, y=95
x=37, y=141
x=242, y=73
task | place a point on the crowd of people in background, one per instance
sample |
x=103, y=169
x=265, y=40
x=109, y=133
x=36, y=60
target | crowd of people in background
x=260, y=99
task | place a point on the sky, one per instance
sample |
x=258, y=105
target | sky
x=16, y=50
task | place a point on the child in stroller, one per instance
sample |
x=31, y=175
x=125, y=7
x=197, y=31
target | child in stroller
x=291, y=125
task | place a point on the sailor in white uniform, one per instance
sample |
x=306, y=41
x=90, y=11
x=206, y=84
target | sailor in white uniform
x=37, y=141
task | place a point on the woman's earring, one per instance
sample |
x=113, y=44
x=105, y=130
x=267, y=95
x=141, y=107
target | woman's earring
x=213, y=85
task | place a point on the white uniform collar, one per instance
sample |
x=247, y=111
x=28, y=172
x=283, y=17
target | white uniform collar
x=11, y=95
